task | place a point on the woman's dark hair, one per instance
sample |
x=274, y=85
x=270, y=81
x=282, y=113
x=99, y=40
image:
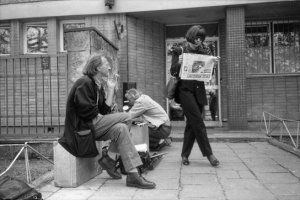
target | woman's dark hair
x=194, y=32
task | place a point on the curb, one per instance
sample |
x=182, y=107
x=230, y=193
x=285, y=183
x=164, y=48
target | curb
x=229, y=139
x=284, y=146
x=43, y=180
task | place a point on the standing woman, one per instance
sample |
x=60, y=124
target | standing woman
x=192, y=97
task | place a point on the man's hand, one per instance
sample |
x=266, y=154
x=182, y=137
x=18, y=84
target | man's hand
x=111, y=89
x=180, y=59
x=111, y=84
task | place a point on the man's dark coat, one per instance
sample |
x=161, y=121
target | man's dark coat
x=82, y=108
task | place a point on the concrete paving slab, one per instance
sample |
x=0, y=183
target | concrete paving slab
x=233, y=166
x=71, y=194
x=230, y=174
x=239, y=176
x=249, y=195
x=156, y=194
x=49, y=188
x=204, y=198
x=198, y=179
x=46, y=194
x=276, y=178
x=116, y=190
x=169, y=184
x=241, y=184
x=194, y=168
x=288, y=197
x=252, y=154
x=259, y=161
x=284, y=189
x=110, y=198
x=246, y=175
x=163, y=174
x=202, y=191
x=229, y=158
x=267, y=168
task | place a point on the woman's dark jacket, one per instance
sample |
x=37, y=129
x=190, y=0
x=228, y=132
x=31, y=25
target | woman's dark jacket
x=81, y=109
x=196, y=87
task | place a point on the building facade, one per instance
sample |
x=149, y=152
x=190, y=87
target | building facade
x=258, y=42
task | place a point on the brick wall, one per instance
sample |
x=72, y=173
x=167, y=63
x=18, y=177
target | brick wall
x=146, y=57
x=16, y=38
x=236, y=72
x=278, y=95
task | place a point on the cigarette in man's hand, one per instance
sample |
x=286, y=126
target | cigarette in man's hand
x=117, y=76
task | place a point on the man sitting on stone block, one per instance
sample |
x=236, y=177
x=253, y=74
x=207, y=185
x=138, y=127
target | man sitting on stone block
x=158, y=121
x=88, y=119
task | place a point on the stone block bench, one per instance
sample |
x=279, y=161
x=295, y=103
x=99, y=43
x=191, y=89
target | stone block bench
x=70, y=171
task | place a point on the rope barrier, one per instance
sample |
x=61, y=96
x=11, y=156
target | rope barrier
x=25, y=148
x=282, y=122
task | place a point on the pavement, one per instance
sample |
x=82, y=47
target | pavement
x=252, y=168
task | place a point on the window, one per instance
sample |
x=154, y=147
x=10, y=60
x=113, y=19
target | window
x=68, y=25
x=272, y=47
x=36, y=38
x=4, y=39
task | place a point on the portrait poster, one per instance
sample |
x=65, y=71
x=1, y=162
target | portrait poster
x=197, y=67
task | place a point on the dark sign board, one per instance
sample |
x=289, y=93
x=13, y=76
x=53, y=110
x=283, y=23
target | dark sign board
x=45, y=62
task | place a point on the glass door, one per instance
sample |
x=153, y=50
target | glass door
x=212, y=111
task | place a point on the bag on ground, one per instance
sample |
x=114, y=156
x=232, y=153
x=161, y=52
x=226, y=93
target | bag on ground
x=15, y=189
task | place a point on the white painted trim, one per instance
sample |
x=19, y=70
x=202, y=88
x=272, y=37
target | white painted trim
x=96, y=7
x=25, y=34
x=6, y=25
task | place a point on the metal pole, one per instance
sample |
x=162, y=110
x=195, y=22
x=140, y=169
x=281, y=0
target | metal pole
x=280, y=138
x=27, y=164
x=289, y=134
x=298, y=135
x=265, y=122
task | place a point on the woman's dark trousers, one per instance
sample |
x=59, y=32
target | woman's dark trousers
x=195, y=128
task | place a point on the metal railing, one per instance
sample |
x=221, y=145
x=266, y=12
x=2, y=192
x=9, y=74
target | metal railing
x=25, y=149
x=33, y=90
x=272, y=122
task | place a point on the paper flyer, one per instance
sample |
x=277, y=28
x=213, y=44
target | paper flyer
x=197, y=67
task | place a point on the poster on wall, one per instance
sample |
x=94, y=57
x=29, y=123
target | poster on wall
x=197, y=67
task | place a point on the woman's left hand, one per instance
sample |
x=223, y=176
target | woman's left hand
x=217, y=59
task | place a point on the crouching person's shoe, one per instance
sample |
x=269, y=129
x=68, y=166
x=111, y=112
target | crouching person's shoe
x=109, y=165
x=136, y=180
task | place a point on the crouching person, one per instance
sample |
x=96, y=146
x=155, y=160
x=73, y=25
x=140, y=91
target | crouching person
x=88, y=119
x=158, y=121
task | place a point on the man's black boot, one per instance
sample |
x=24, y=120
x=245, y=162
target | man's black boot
x=136, y=180
x=109, y=165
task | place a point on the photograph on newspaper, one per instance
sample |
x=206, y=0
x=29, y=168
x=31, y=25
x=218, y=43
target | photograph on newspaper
x=197, y=67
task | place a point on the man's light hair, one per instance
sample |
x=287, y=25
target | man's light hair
x=134, y=93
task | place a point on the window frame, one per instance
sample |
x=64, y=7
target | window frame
x=61, y=31
x=271, y=23
x=6, y=25
x=25, y=49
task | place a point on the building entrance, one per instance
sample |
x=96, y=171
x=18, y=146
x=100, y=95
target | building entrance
x=212, y=111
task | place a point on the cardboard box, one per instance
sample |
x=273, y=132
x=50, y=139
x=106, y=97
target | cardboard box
x=70, y=171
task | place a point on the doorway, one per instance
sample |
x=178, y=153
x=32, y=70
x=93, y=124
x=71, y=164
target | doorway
x=211, y=118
